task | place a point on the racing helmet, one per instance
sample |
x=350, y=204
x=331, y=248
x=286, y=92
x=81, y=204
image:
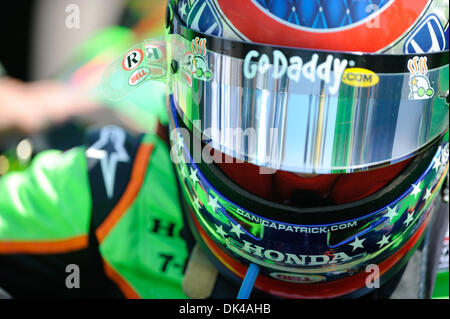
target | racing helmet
x=310, y=138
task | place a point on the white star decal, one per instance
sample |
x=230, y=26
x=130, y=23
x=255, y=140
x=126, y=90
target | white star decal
x=427, y=194
x=213, y=203
x=416, y=189
x=110, y=150
x=392, y=212
x=409, y=219
x=220, y=231
x=183, y=9
x=437, y=163
x=184, y=173
x=196, y=203
x=357, y=243
x=237, y=230
x=383, y=241
x=437, y=160
x=193, y=176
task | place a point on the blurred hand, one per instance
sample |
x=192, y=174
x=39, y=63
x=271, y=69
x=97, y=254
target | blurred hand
x=30, y=107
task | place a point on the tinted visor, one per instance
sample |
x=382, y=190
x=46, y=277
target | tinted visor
x=301, y=110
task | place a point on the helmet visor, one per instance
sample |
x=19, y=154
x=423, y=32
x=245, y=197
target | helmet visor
x=300, y=110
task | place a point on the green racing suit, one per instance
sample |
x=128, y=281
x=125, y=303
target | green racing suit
x=58, y=213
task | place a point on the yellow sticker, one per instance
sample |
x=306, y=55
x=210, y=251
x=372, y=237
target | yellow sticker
x=360, y=77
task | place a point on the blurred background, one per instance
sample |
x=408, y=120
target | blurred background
x=52, y=59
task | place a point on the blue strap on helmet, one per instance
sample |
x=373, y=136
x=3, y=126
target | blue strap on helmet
x=248, y=282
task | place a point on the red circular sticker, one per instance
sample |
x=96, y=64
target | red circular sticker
x=394, y=19
x=132, y=59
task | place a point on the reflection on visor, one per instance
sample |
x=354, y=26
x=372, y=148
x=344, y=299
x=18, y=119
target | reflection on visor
x=292, y=109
